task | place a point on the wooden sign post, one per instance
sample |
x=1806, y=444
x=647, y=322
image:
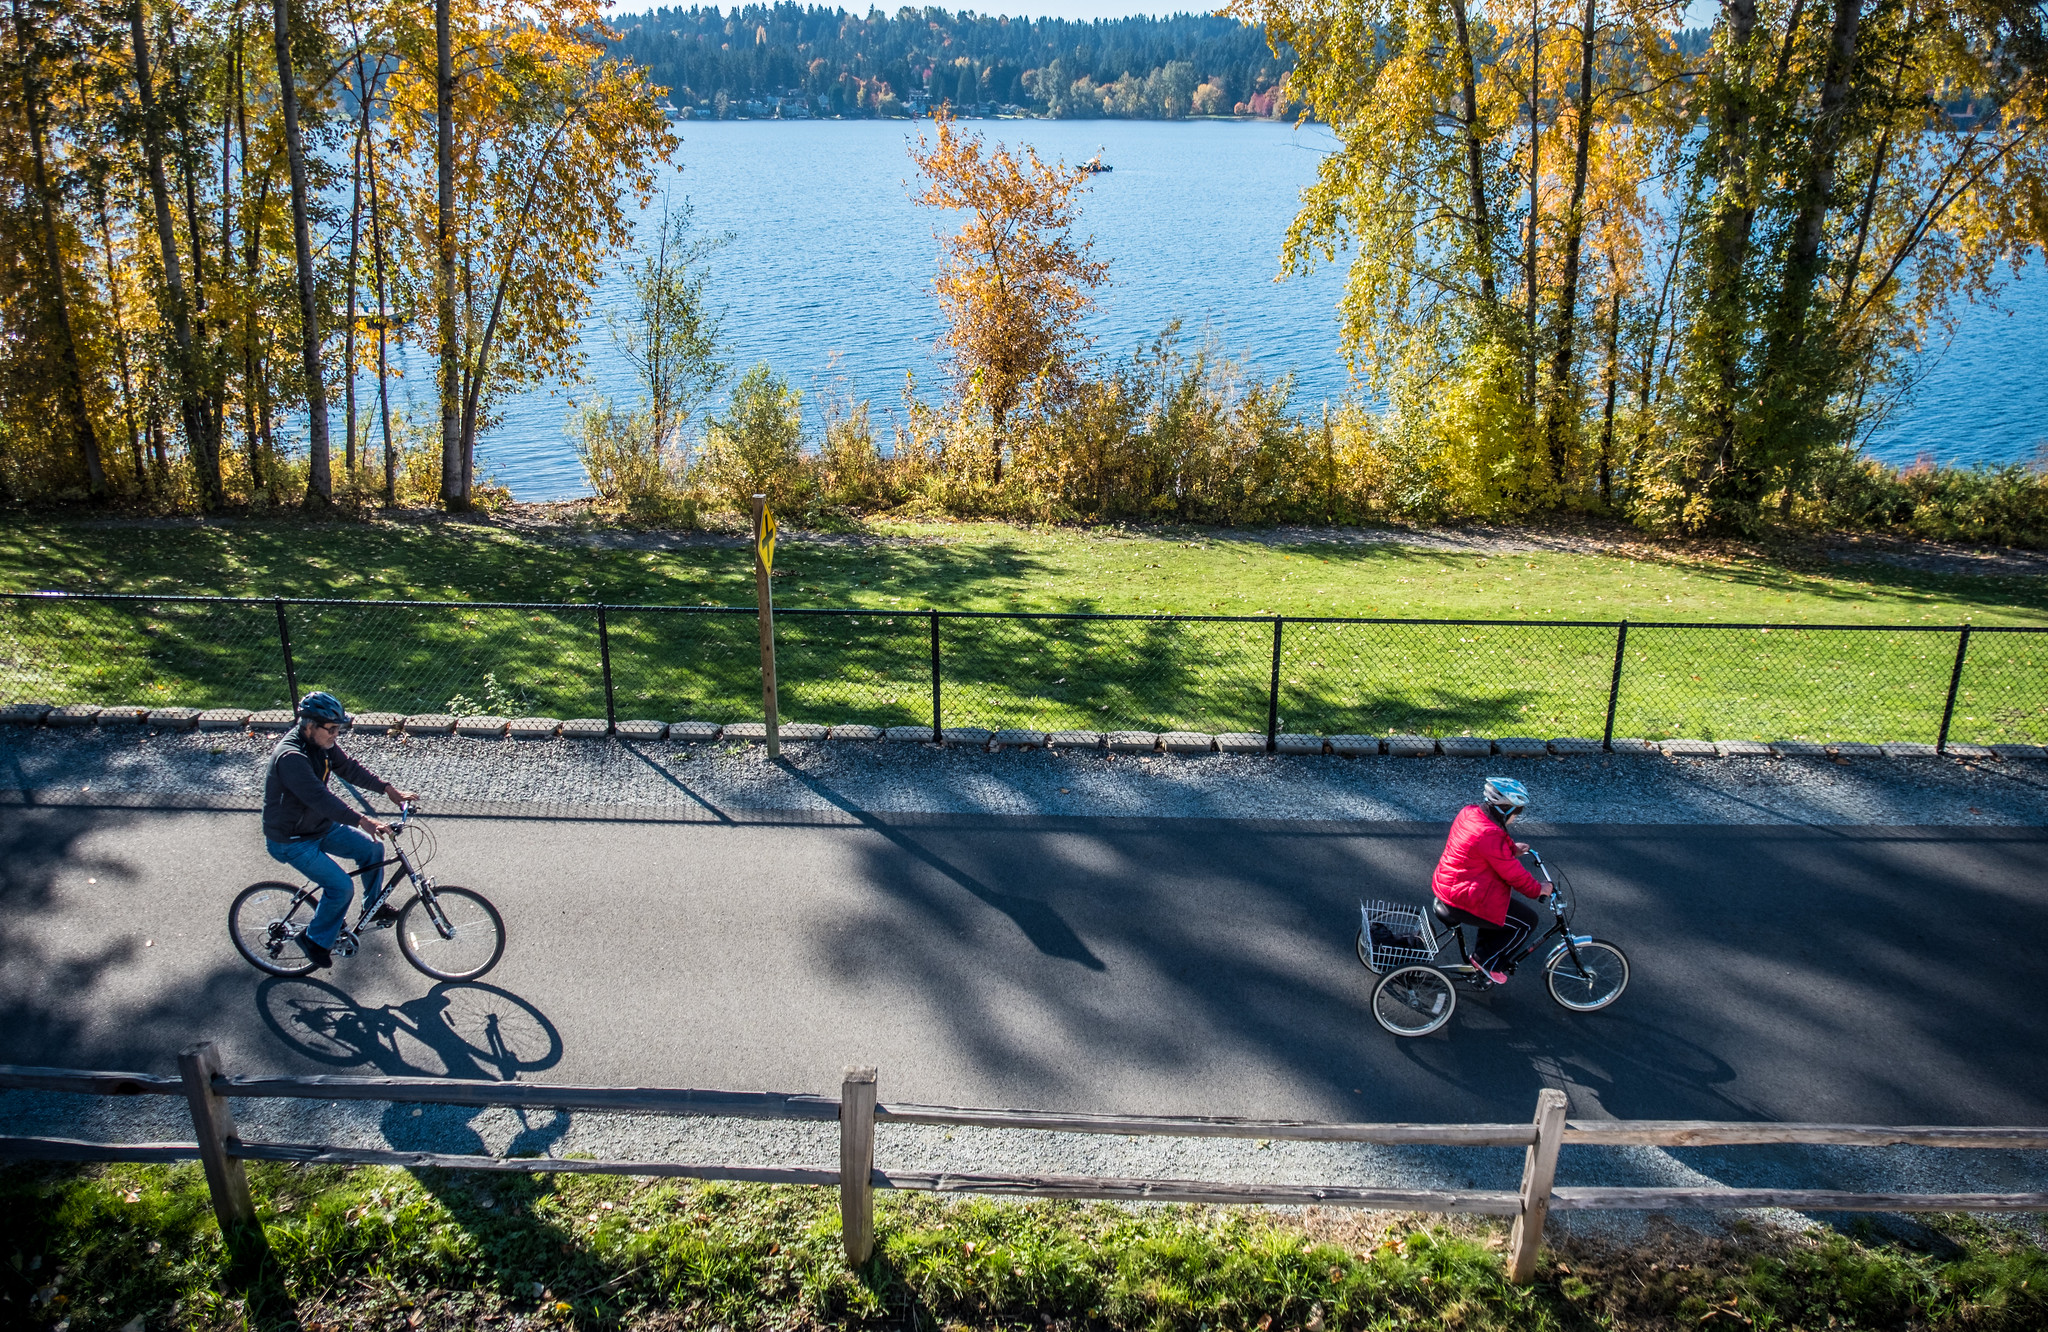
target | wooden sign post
x=764, y=566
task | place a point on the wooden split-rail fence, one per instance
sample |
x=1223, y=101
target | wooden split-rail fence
x=207, y=1089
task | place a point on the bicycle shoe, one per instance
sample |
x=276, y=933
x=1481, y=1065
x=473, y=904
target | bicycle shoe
x=383, y=918
x=320, y=957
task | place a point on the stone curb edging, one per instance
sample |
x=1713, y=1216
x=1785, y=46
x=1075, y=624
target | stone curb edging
x=34, y=713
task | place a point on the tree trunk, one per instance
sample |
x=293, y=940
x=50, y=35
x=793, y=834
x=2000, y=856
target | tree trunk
x=252, y=249
x=1613, y=377
x=121, y=363
x=319, y=471
x=199, y=435
x=1574, y=236
x=212, y=393
x=56, y=303
x=454, y=475
x=1803, y=259
x=1475, y=162
x=1727, y=241
x=355, y=238
x=383, y=321
x=256, y=376
x=1535, y=198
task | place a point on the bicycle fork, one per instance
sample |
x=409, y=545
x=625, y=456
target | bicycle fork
x=1569, y=945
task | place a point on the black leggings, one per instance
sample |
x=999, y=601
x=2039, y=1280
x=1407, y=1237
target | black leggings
x=1496, y=942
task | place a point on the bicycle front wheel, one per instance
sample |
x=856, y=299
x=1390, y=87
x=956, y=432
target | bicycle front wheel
x=1591, y=983
x=451, y=934
x=266, y=922
x=1414, y=1001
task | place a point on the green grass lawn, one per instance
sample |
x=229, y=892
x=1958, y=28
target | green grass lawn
x=91, y=1249
x=1048, y=674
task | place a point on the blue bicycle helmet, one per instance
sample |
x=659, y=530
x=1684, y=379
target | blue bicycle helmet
x=1506, y=794
x=321, y=706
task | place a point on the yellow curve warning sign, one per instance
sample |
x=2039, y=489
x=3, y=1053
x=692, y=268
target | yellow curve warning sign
x=765, y=546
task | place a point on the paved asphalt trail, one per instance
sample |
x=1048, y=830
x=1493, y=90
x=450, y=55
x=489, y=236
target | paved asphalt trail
x=1886, y=975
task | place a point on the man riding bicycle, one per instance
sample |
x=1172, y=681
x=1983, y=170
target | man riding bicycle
x=1479, y=876
x=305, y=824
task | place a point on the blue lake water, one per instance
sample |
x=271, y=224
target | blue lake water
x=829, y=269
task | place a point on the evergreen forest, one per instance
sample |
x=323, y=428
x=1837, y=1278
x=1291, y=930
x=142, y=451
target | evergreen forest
x=793, y=60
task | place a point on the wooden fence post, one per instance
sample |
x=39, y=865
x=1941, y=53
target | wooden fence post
x=1539, y=1171
x=857, y=1163
x=764, y=598
x=214, y=1126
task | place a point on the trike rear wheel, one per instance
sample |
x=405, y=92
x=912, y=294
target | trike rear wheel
x=1414, y=1000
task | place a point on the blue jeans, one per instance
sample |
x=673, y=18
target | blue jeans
x=310, y=858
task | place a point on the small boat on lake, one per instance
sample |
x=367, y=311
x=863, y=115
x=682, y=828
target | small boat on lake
x=1096, y=164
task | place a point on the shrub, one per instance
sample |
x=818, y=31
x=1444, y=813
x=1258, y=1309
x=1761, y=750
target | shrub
x=756, y=448
x=628, y=465
x=1998, y=505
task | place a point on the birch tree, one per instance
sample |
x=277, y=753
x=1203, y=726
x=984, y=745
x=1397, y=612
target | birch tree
x=550, y=138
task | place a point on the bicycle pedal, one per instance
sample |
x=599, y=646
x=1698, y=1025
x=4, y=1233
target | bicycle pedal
x=345, y=946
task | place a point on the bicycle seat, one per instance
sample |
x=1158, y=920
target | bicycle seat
x=1453, y=916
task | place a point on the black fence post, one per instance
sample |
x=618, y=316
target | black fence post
x=1273, y=694
x=938, y=729
x=1955, y=678
x=1614, y=688
x=291, y=672
x=604, y=653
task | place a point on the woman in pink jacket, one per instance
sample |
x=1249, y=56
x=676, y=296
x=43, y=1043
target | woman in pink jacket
x=1479, y=876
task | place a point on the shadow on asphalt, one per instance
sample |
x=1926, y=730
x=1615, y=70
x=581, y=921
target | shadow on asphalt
x=1146, y=966
x=459, y=1030
x=1039, y=922
x=1779, y=972
x=455, y=1030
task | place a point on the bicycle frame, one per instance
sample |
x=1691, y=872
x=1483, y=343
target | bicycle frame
x=1560, y=928
x=421, y=885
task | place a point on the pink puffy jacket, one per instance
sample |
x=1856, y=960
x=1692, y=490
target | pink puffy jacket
x=1478, y=867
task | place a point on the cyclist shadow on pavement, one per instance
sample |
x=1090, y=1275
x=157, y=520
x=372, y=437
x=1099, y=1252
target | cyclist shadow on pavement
x=457, y=1030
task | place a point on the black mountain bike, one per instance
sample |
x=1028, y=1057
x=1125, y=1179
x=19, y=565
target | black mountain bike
x=1416, y=995
x=449, y=933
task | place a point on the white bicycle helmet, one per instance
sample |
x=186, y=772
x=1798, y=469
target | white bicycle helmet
x=1506, y=794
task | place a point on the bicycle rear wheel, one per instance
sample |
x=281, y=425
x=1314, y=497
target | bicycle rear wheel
x=266, y=921
x=1365, y=954
x=1414, y=1001
x=452, y=934
x=1592, y=983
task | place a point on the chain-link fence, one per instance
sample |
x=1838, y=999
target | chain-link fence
x=2002, y=688
x=1372, y=677
x=1784, y=682
x=1105, y=673
x=142, y=651
x=467, y=658
x=1039, y=671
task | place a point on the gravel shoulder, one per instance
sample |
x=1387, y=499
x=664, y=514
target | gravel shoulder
x=840, y=780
